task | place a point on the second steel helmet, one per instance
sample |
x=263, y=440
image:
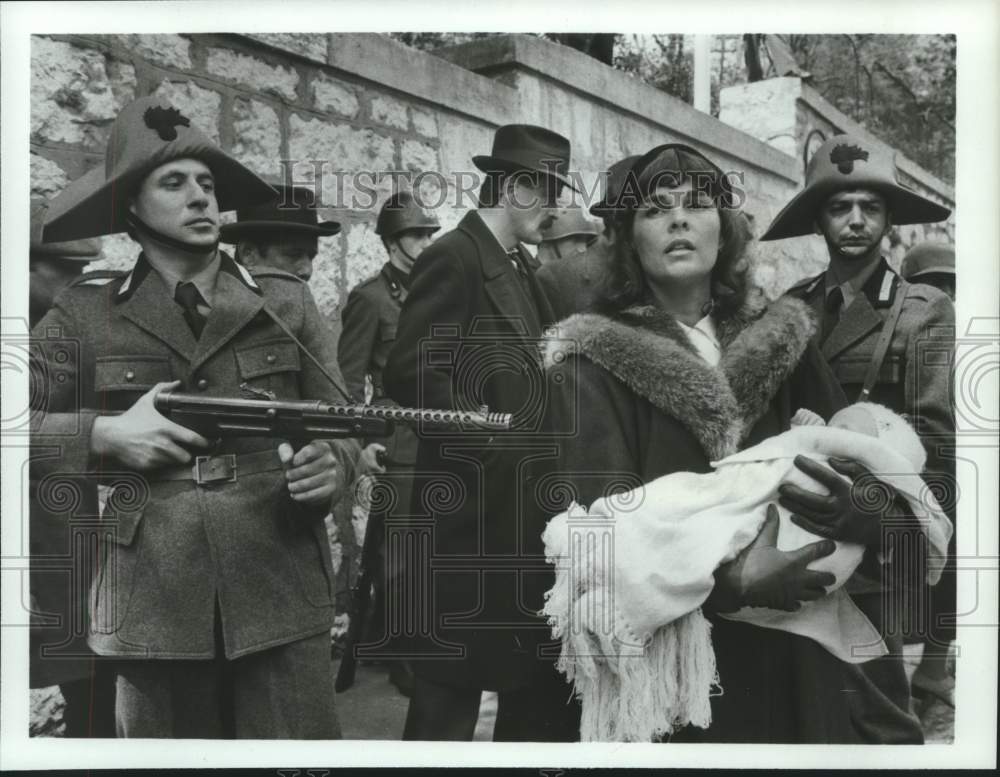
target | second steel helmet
x=402, y=212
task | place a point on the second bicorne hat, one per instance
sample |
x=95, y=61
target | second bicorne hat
x=842, y=163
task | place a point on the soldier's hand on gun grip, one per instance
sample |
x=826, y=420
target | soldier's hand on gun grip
x=763, y=576
x=142, y=439
x=851, y=512
x=311, y=472
x=368, y=461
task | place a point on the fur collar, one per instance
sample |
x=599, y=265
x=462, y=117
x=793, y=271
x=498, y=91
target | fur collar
x=647, y=350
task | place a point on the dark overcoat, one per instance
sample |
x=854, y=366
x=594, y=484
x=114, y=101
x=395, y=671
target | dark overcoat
x=468, y=336
x=631, y=401
x=174, y=548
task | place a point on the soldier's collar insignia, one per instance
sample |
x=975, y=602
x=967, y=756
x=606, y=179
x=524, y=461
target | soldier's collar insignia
x=165, y=121
x=236, y=269
x=844, y=157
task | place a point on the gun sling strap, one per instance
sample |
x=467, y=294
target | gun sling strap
x=882, y=347
x=316, y=362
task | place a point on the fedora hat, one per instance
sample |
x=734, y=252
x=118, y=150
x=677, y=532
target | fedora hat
x=82, y=251
x=847, y=162
x=527, y=148
x=147, y=133
x=928, y=258
x=293, y=212
x=402, y=212
x=569, y=222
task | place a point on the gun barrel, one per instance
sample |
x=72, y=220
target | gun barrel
x=233, y=415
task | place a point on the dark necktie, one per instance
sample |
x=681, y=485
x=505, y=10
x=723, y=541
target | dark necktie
x=831, y=310
x=188, y=297
x=522, y=273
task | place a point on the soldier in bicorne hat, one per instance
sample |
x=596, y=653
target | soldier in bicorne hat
x=467, y=337
x=214, y=592
x=888, y=341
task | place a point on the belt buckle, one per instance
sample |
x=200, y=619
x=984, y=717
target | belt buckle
x=215, y=469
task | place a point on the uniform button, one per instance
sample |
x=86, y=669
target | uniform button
x=202, y=384
x=130, y=376
x=271, y=358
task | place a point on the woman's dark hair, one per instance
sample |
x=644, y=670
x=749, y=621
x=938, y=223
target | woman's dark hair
x=625, y=283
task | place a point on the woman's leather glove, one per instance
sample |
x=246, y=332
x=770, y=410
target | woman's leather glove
x=763, y=576
x=851, y=512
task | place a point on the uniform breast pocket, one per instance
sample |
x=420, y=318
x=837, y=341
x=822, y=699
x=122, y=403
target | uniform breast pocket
x=387, y=331
x=122, y=379
x=273, y=366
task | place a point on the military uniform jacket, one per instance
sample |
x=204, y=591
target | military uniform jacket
x=174, y=548
x=369, y=319
x=468, y=335
x=915, y=377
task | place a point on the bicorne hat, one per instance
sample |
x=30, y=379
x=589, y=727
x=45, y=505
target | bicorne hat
x=82, y=251
x=846, y=162
x=293, y=212
x=148, y=132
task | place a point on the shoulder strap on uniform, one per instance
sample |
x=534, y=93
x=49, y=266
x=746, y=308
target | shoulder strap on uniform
x=316, y=362
x=882, y=347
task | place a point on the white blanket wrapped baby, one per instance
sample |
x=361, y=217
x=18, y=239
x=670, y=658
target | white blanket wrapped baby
x=633, y=571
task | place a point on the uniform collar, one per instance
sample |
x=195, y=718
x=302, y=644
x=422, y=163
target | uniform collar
x=852, y=286
x=223, y=263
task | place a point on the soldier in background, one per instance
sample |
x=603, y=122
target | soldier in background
x=569, y=236
x=59, y=652
x=933, y=264
x=571, y=284
x=370, y=318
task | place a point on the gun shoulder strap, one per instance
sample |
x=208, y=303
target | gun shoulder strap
x=882, y=347
x=316, y=362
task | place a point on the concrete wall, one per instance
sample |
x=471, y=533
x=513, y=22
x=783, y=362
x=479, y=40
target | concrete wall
x=365, y=103
x=793, y=117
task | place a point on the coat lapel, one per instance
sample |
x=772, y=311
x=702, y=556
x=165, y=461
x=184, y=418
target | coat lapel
x=234, y=306
x=855, y=322
x=150, y=305
x=500, y=279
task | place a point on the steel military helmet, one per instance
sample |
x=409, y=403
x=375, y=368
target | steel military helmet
x=570, y=222
x=846, y=162
x=401, y=212
x=928, y=259
x=148, y=132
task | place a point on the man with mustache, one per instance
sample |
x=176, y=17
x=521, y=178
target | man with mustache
x=890, y=342
x=467, y=336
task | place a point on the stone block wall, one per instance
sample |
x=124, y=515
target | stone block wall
x=363, y=103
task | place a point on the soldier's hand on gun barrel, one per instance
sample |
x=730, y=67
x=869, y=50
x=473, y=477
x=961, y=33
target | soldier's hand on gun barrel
x=142, y=439
x=311, y=472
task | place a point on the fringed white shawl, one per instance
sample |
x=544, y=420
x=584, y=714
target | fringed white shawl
x=634, y=570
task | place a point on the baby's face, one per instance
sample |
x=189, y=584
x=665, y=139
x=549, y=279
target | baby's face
x=855, y=419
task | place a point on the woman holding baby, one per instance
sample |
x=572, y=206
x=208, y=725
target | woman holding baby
x=683, y=363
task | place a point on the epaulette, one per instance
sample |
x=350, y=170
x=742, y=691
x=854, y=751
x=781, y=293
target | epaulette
x=807, y=285
x=98, y=277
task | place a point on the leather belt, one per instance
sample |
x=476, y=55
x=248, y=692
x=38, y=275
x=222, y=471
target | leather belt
x=223, y=468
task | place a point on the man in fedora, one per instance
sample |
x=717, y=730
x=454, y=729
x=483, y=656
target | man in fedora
x=572, y=286
x=283, y=234
x=213, y=592
x=888, y=341
x=467, y=337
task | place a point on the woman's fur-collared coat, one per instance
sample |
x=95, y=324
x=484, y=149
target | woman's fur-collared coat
x=631, y=400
